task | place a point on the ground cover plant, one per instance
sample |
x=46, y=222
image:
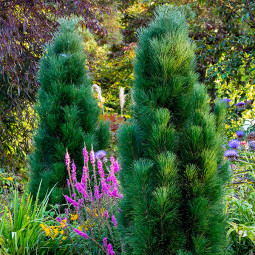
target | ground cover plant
x=68, y=113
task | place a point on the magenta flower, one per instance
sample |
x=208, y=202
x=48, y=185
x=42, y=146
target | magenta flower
x=114, y=221
x=106, y=214
x=100, y=168
x=80, y=187
x=92, y=157
x=74, y=172
x=71, y=201
x=58, y=219
x=116, y=194
x=110, y=250
x=68, y=183
x=67, y=158
x=116, y=166
x=97, y=196
x=85, y=155
x=80, y=233
x=105, y=242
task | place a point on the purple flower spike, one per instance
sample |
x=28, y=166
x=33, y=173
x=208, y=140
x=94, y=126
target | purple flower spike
x=85, y=154
x=106, y=214
x=233, y=144
x=114, y=221
x=231, y=154
x=240, y=134
x=73, y=172
x=80, y=233
x=105, y=242
x=68, y=160
x=110, y=250
x=101, y=155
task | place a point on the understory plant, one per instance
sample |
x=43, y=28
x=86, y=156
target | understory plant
x=241, y=193
x=173, y=172
x=68, y=114
x=20, y=227
x=90, y=217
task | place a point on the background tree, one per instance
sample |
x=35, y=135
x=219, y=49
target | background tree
x=25, y=27
x=171, y=154
x=68, y=114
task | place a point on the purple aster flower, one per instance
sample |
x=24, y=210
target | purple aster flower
x=233, y=143
x=100, y=155
x=240, y=134
x=58, y=219
x=226, y=100
x=240, y=104
x=231, y=154
x=80, y=233
x=252, y=145
x=110, y=250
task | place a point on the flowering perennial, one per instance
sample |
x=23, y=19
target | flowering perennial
x=93, y=198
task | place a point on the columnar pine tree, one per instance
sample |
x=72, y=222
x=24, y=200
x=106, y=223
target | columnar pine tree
x=171, y=153
x=68, y=113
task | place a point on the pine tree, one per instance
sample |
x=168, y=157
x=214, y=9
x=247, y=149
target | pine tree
x=68, y=113
x=173, y=171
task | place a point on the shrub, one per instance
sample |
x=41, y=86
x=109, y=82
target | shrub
x=173, y=172
x=68, y=113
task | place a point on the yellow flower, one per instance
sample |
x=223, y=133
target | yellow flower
x=95, y=213
x=74, y=216
x=64, y=237
x=28, y=217
x=62, y=232
x=63, y=223
x=46, y=229
x=102, y=211
x=9, y=179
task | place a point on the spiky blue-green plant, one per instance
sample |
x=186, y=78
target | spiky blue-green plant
x=68, y=113
x=173, y=172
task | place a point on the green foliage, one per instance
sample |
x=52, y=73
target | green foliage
x=68, y=113
x=240, y=201
x=20, y=230
x=171, y=153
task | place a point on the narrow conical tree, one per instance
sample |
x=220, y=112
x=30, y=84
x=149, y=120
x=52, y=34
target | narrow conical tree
x=171, y=153
x=68, y=113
